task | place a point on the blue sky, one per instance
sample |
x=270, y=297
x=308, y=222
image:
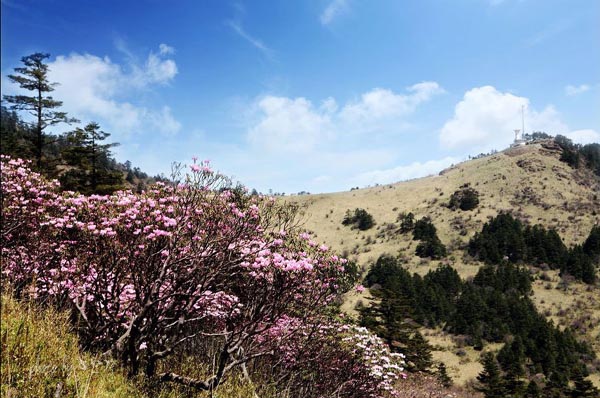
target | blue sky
x=315, y=95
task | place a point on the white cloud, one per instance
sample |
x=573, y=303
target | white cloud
x=555, y=29
x=329, y=105
x=381, y=104
x=164, y=121
x=237, y=28
x=322, y=179
x=485, y=120
x=158, y=70
x=333, y=10
x=344, y=139
x=402, y=173
x=585, y=136
x=575, y=90
x=165, y=49
x=96, y=88
x=292, y=125
x=89, y=86
x=296, y=125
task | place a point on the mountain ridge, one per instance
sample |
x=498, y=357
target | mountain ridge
x=530, y=182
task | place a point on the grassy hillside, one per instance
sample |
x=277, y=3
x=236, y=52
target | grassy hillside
x=529, y=181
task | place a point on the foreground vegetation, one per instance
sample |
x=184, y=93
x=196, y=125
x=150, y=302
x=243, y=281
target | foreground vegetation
x=41, y=357
x=191, y=273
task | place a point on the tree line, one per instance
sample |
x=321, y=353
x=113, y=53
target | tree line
x=576, y=155
x=505, y=238
x=494, y=306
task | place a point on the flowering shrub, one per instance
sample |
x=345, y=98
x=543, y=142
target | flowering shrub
x=148, y=274
x=328, y=358
x=27, y=199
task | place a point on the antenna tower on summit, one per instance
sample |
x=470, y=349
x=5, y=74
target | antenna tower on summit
x=522, y=121
x=519, y=140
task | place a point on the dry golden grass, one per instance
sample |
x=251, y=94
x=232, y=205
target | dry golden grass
x=41, y=358
x=529, y=181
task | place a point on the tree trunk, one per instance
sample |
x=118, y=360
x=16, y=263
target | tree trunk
x=39, y=142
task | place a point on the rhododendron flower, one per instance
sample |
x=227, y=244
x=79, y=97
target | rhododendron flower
x=154, y=271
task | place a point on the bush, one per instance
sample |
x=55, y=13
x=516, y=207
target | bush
x=432, y=248
x=424, y=229
x=360, y=219
x=465, y=199
x=407, y=222
x=430, y=245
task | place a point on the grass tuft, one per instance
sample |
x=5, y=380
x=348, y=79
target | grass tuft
x=41, y=358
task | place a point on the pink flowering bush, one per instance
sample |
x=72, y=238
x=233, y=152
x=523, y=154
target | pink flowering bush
x=329, y=358
x=27, y=199
x=149, y=274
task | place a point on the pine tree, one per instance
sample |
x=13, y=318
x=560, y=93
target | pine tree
x=407, y=222
x=533, y=390
x=490, y=379
x=591, y=247
x=90, y=161
x=511, y=358
x=418, y=353
x=442, y=375
x=34, y=77
x=582, y=388
x=16, y=138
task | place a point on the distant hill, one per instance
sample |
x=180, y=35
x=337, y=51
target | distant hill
x=532, y=182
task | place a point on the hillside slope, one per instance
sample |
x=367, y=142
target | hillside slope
x=529, y=181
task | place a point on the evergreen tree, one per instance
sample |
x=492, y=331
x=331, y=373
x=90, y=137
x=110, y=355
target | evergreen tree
x=470, y=309
x=424, y=229
x=501, y=237
x=591, y=154
x=432, y=248
x=92, y=170
x=570, y=151
x=16, y=137
x=34, y=77
x=430, y=245
x=465, y=199
x=533, y=390
x=360, y=219
x=591, y=246
x=582, y=388
x=418, y=353
x=580, y=265
x=442, y=375
x=512, y=357
x=490, y=378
